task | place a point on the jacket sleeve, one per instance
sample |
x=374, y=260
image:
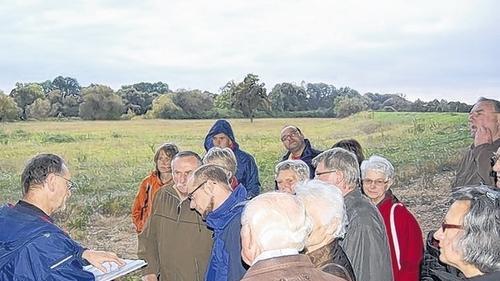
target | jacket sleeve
x=233, y=246
x=410, y=242
x=147, y=248
x=252, y=178
x=138, y=204
x=53, y=256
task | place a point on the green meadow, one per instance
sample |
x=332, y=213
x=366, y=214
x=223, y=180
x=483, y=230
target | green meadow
x=108, y=159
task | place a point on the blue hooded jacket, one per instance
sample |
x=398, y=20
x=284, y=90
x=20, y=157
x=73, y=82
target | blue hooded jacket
x=33, y=248
x=225, y=260
x=247, y=172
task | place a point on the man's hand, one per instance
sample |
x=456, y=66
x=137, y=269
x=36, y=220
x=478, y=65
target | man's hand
x=483, y=135
x=149, y=277
x=97, y=258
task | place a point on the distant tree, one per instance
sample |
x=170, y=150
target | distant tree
x=8, y=108
x=346, y=105
x=320, y=95
x=419, y=106
x=135, y=100
x=39, y=109
x=288, y=97
x=67, y=85
x=47, y=86
x=26, y=94
x=146, y=87
x=223, y=100
x=250, y=95
x=194, y=103
x=456, y=106
x=397, y=102
x=100, y=103
x=165, y=108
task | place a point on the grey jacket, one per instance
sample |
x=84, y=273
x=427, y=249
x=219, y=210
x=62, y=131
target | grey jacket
x=365, y=242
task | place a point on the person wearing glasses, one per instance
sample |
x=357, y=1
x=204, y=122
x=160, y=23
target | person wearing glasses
x=32, y=247
x=211, y=196
x=175, y=241
x=495, y=162
x=403, y=231
x=365, y=242
x=161, y=176
x=298, y=147
x=484, y=124
x=469, y=235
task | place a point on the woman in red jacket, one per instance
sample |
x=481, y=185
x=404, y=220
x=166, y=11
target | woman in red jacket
x=161, y=176
x=403, y=232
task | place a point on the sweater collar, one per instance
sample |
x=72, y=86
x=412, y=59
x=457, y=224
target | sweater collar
x=220, y=217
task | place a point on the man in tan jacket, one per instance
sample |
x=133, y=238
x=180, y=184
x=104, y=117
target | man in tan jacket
x=175, y=242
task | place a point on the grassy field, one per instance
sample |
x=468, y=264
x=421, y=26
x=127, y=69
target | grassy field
x=108, y=159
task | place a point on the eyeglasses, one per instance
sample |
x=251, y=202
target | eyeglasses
x=324, y=173
x=190, y=194
x=378, y=182
x=70, y=184
x=291, y=135
x=445, y=226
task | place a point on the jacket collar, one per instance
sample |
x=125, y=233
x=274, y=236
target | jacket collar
x=220, y=217
x=307, y=152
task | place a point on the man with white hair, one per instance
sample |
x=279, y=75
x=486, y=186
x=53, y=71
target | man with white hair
x=325, y=206
x=274, y=230
x=365, y=242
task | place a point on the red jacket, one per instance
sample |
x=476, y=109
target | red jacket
x=143, y=202
x=405, y=239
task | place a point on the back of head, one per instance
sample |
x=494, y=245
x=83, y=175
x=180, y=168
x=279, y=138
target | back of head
x=299, y=167
x=277, y=220
x=378, y=164
x=481, y=225
x=353, y=146
x=324, y=203
x=223, y=157
x=212, y=172
x=343, y=161
x=39, y=167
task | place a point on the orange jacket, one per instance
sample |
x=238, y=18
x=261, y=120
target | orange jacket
x=143, y=203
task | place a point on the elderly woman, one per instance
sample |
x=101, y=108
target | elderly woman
x=325, y=205
x=469, y=234
x=403, y=232
x=495, y=160
x=290, y=172
x=161, y=176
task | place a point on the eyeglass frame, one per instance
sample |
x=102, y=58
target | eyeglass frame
x=294, y=133
x=324, y=173
x=190, y=194
x=376, y=182
x=71, y=185
x=445, y=226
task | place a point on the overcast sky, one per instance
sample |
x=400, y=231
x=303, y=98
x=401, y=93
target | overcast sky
x=423, y=49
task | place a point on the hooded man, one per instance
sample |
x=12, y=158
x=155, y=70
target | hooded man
x=221, y=135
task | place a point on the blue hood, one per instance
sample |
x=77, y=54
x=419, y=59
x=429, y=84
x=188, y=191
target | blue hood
x=220, y=126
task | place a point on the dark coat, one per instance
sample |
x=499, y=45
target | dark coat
x=432, y=269
x=307, y=156
x=332, y=259
x=247, y=172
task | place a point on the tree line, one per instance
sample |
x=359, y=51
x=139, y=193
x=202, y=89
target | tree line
x=63, y=97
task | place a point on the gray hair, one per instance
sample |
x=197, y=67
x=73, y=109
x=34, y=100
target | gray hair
x=326, y=202
x=481, y=226
x=494, y=103
x=278, y=220
x=299, y=167
x=188, y=153
x=39, y=167
x=343, y=161
x=223, y=157
x=378, y=164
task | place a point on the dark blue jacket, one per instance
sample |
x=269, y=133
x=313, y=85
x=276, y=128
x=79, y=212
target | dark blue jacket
x=33, y=248
x=247, y=172
x=225, y=261
x=307, y=156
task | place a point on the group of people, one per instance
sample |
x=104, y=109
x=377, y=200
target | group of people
x=332, y=216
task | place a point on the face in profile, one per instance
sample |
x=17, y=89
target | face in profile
x=482, y=115
x=286, y=181
x=202, y=200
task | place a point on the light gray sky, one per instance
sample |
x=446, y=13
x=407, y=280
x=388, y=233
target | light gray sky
x=424, y=49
